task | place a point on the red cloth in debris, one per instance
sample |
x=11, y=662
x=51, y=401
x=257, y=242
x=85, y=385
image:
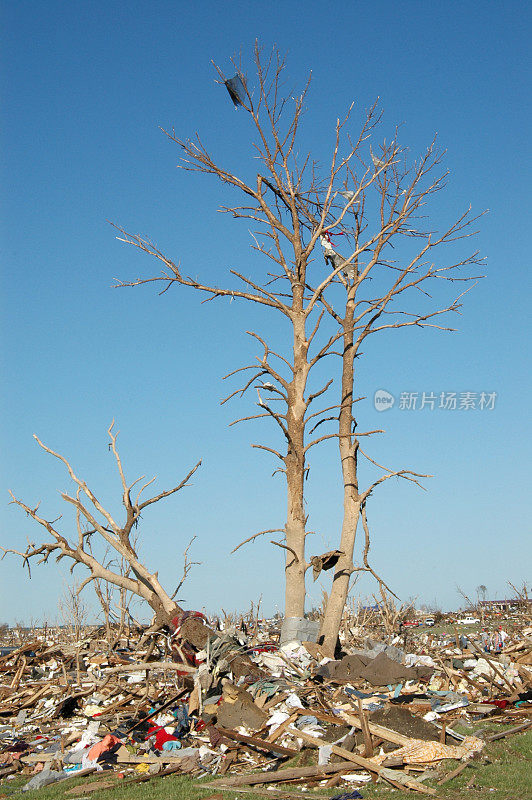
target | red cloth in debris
x=161, y=736
x=107, y=743
x=498, y=703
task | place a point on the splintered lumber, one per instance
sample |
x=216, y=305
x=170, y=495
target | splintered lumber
x=396, y=779
x=283, y=726
x=158, y=710
x=386, y=734
x=281, y=793
x=281, y=775
x=150, y=665
x=167, y=758
x=509, y=731
x=162, y=774
x=22, y=649
x=462, y=674
x=368, y=750
x=18, y=675
x=36, y=758
x=455, y=772
x=255, y=741
x=96, y=786
x=378, y=730
x=494, y=667
x=33, y=699
x=9, y=770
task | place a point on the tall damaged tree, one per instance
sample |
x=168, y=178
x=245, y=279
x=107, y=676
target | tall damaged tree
x=391, y=264
x=275, y=203
x=375, y=202
x=92, y=520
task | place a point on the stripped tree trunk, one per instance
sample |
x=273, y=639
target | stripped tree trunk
x=348, y=458
x=295, y=467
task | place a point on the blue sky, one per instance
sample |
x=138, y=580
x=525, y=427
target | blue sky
x=85, y=88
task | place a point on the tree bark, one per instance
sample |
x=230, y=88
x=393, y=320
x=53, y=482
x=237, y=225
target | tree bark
x=295, y=564
x=348, y=457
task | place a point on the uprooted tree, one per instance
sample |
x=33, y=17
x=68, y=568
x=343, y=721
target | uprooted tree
x=375, y=201
x=118, y=537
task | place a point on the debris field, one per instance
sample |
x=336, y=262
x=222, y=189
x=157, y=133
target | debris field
x=237, y=709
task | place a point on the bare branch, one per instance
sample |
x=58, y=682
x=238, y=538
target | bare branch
x=255, y=535
x=170, y=492
x=285, y=547
x=187, y=566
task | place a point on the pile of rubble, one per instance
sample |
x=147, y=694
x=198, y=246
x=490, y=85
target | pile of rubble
x=250, y=711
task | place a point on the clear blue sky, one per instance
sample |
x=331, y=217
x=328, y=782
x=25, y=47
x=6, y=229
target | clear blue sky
x=85, y=86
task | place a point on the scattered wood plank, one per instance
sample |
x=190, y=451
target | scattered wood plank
x=509, y=731
x=9, y=770
x=33, y=699
x=367, y=764
x=161, y=774
x=378, y=730
x=281, y=775
x=454, y=773
x=284, y=725
x=368, y=749
x=149, y=665
x=255, y=741
x=280, y=793
x=494, y=667
x=87, y=788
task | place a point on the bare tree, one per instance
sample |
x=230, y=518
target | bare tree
x=470, y=604
x=92, y=519
x=114, y=599
x=381, y=293
x=481, y=593
x=74, y=615
x=73, y=611
x=522, y=597
x=376, y=203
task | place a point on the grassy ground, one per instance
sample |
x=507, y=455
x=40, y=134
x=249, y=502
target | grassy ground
x=503, y=773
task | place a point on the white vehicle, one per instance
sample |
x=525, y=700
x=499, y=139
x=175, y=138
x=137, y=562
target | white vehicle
x=468, y=621
x=429, y=622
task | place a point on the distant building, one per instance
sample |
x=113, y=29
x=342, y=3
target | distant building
x=503, y=605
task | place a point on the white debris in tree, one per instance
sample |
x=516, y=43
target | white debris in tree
x=334, y=258
x=378, y=163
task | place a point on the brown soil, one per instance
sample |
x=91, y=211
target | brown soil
x=400, y=720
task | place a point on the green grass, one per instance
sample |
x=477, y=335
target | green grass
x=447, y=627
x=503, y=773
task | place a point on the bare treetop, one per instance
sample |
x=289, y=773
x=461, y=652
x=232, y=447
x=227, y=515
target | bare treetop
x=350, y=252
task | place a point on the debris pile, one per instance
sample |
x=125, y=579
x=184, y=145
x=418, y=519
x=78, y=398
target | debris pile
x=239, y=709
